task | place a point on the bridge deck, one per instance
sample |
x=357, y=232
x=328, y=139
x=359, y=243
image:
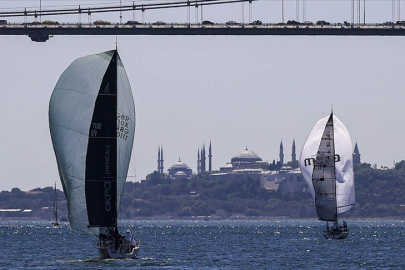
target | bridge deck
x=44, y=31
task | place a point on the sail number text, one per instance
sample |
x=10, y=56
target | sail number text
x=94, y=128
x=122, y=126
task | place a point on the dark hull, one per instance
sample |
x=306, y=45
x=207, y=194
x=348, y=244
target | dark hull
x=336, y=235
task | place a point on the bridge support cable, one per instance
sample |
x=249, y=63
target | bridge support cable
x=297, y=10
x=188, y=12
x=133, y=11
x=250, y=11
x=120, y=11
x=358, y=11
x=89, y=16
x=80, y=15
x=196, y=13
x=399, y=10
x=282, y=11
x=243, y=13
x=304, y=10
x=352, y=9
x=364, y=12
x=201, y=12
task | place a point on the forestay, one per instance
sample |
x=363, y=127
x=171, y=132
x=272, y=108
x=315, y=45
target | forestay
x=92, y=125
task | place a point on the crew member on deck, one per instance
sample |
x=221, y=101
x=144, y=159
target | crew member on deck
x=344, y=225
x=128, y=238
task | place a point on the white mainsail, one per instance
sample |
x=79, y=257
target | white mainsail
x=345, y=193
x=93, y=97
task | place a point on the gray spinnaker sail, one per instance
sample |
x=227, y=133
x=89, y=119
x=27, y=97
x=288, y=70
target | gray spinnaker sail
x=92, y=125
x=326, y=163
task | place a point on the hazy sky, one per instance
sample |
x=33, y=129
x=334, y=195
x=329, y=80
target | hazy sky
x=235, y=91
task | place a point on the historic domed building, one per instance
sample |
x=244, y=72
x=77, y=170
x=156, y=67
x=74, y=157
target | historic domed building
x=180, y=170
x=245, y=164
x=247, y=159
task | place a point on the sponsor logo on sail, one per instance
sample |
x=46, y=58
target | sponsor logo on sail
x=107, y=160
x=107, y=196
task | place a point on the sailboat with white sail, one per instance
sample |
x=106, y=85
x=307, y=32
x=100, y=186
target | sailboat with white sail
x=92, y=126
x=326, y=163
x=55, y=222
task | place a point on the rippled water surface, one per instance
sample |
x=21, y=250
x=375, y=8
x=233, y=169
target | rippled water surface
x=265, y=244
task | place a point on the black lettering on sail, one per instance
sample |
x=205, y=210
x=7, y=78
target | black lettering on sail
x=101, y=159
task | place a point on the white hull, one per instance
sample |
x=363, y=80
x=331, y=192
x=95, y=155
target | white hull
x=336, y=234
x=109, y=252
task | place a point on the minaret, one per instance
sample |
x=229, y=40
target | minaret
x=293, y=155
x=210, y=158
x=198, y=161
x=203, y=158
x=281, y=153
x=161, y=159
x=158, y=161
x=356, y=155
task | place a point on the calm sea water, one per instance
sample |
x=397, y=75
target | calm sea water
x=265, y=244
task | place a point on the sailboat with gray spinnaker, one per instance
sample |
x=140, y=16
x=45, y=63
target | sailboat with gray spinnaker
x=326, y=163
x=92, y=125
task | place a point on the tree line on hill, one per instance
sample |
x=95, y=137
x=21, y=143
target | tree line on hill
x=379, y=193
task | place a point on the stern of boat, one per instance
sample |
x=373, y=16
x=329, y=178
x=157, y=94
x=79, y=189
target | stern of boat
x=108, y=251
x=336, y=235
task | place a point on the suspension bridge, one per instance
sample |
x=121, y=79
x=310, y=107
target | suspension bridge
x=40, y=30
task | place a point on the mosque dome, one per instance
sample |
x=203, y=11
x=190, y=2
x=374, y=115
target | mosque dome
x=179, y=165
x=246, y=156
x=228, y=165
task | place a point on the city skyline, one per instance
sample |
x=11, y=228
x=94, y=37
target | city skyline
x=200, y=168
